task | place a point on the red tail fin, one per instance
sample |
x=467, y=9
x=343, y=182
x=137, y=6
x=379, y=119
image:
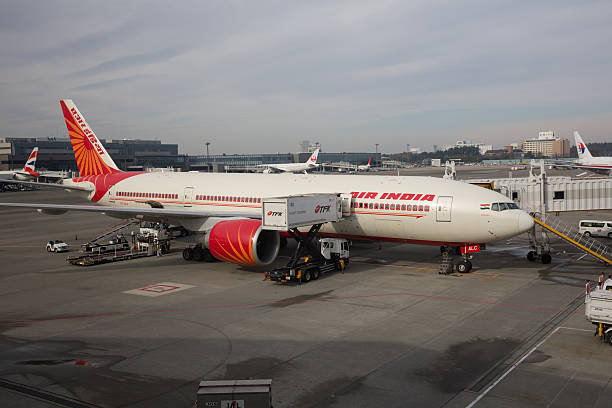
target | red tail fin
x=91, y=157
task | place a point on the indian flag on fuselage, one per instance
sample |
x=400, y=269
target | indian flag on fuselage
x=485, y=206
x=91, y=156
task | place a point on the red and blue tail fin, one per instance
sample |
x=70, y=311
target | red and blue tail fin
x=30, y=165
x=91, y=156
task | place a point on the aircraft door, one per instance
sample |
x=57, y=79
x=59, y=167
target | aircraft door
x=444, y=209
x=347, y=200
x=187, y=196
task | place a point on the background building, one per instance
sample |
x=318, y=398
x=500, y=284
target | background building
x=482, y=148
x=58, y=155
x=145, y=154
x=547, y=145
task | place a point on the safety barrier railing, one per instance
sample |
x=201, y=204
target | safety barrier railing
x=572, y=235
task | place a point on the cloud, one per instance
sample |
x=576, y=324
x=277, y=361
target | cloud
x=248, y=75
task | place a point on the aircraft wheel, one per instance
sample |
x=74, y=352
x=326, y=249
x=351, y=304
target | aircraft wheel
x=315, y=274
x=188, y=254
x=464, y=267
x=207, y=255
x=198, y=254
x=306, y=276
x=532, y=256
x=546, y=259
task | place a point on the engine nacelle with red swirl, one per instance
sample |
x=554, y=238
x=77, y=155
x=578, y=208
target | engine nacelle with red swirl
x=242, y=241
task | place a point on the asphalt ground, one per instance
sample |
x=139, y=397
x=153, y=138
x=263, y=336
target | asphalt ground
x=390, y=331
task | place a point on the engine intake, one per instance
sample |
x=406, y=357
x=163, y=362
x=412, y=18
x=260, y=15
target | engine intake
x=243, y=242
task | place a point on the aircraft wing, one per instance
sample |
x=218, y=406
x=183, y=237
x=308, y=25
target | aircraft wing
x=128, y=212
x=51, y=185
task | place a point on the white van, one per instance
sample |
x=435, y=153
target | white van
x=596, y=228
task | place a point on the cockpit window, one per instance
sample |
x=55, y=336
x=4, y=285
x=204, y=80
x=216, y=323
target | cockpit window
x=503, y=206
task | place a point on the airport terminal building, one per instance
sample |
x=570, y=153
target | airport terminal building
x=138, y=154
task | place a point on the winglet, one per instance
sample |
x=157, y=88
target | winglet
x=583, y=150
x=91, y=156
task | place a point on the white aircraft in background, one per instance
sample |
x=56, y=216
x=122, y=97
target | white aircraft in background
x=309, y=164
x=365, y=167
x=586, y=161
x=28, y=172
x=224, y=212
x=350, y=167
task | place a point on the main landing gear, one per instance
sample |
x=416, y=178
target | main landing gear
x=447, y=264
x=198, y=253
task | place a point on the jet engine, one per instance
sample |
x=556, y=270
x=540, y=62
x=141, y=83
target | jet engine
x=242, y=241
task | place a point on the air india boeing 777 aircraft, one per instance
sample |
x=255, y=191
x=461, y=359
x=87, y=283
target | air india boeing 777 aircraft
x=224, y=210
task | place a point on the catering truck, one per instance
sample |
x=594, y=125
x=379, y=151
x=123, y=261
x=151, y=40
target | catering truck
x=598, y=310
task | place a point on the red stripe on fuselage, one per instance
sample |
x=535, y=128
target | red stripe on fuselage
x=103, y=182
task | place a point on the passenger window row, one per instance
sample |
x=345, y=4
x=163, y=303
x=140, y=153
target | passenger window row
x=146, y=195
x=392, y=207
x=233, y=199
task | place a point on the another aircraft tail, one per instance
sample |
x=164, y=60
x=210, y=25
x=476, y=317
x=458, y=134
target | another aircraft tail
x=91, y=156
x=313, y=157
x=583, y=150
x=30, y=165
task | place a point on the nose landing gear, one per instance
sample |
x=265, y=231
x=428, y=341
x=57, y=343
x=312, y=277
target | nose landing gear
x=447, y=263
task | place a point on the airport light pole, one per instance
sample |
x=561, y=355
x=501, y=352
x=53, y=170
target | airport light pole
x=207, y=156
x=376, y=155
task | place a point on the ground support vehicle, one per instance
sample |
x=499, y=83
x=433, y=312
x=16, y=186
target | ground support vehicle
x=96, y=259
x=151, y=239
x=598, y=310
x=117, y=243
x=57, y=246
x=310, y=260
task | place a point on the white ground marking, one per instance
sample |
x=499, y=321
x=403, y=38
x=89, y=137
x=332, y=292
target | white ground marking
x=158, y=289
x=508, y=371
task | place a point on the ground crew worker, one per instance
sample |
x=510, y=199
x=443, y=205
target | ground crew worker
x=601, y=280
x=588, y=287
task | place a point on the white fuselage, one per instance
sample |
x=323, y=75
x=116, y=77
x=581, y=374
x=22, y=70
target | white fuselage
x=292, y=167
x=421, y=209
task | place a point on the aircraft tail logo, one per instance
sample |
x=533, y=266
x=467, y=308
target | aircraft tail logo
x=583, y=151
x=91, y=156
x=313, y=157
x=30, y=165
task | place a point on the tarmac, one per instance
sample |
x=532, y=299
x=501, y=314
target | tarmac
x=389, y=332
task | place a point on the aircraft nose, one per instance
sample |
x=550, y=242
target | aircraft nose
x=525, y=222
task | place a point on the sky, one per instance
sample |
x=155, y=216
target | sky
x=259, y=76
